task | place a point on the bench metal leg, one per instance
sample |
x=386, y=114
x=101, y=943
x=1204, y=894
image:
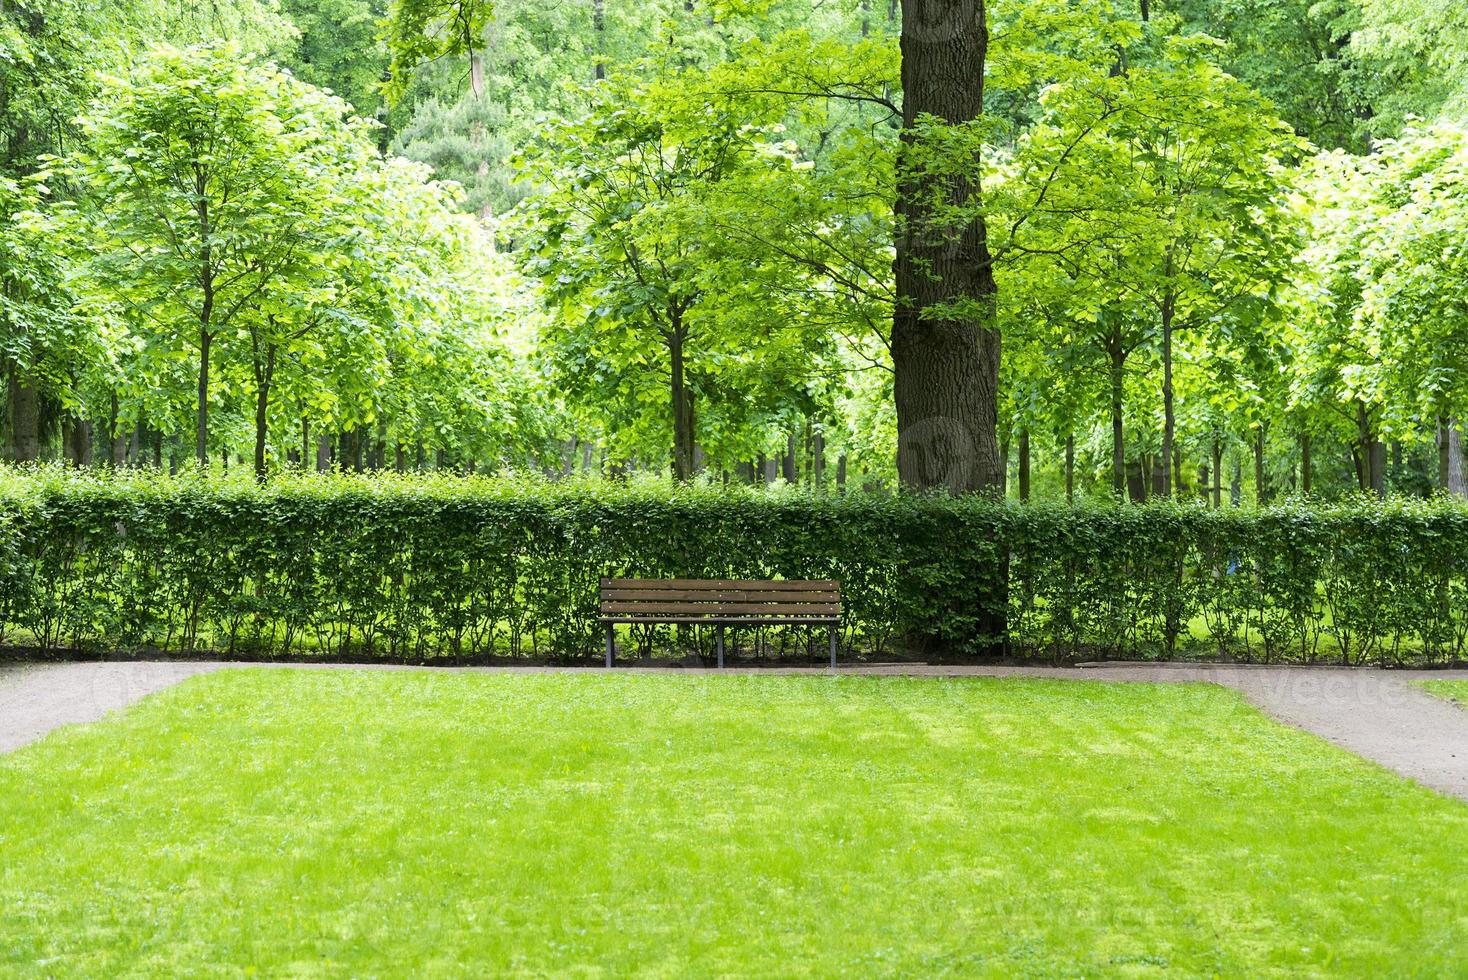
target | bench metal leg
x=719, y=642
x=833, y=646
x=609, y=644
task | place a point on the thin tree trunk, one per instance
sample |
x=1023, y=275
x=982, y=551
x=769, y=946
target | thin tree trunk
x=1070, y=469
x=683, y=435
x=1169, y=421
x=1307, y=476
x=1217, y=473
x=946, y=365
x=264, y=375
x=1024, y=465
x=1118, y=440
x=1261, y=488
x=599, y=29
x=1370, y=454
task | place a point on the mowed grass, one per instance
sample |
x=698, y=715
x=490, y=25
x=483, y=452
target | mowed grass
x=360, y=823
x=1452, y=690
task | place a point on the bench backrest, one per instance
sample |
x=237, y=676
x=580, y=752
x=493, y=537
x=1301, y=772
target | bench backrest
x=633, y=600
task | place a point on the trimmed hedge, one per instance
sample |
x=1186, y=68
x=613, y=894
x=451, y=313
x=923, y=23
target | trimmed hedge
x=422, y=568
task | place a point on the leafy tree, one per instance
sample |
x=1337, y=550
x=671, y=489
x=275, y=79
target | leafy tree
x=208, y=177
x=627, y=255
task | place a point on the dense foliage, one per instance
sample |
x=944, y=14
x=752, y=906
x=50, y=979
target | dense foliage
x=671, y=237
x=423, y=569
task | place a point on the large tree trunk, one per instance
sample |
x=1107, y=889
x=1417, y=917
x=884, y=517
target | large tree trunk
x=25, y=419
x=945, y=348
x=1457, y=481
x=1450, y=474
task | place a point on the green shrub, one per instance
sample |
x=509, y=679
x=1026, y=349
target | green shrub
x=420, y=568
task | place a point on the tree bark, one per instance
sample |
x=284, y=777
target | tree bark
x=599, y=29
x=1118, y=435
x=1307, y=475
x=945, y=347
x=25, y=419
x=1070, y=469
x=1370, y=454
x=1217, y=473
x=1261, y=486
x=1450, y=442
x=683, y=435
x=1169, y=420
x=264, y=375
x=1024, y=465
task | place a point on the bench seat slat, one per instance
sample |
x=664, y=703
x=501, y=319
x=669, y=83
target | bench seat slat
x=722, y=608
x=714, y=584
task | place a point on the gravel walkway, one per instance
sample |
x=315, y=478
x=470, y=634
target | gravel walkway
x=1376, y=714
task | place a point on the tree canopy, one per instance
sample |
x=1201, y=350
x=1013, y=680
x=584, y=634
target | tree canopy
x=1111, y=248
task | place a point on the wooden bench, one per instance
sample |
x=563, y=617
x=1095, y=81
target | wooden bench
x=720, y=603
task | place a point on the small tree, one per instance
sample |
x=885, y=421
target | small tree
x=210, y=180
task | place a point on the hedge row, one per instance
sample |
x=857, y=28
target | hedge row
x=416, y=568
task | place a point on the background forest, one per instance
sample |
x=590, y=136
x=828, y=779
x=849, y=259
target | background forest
x=1226, y=238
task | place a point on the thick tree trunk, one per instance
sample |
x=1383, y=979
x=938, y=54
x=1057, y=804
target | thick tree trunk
x=787, y=462
x=945, y=348
x=1378, y=468
x=1450, y=461
x=25, y=419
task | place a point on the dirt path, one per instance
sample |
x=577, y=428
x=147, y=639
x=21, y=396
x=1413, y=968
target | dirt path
x=1376, y=714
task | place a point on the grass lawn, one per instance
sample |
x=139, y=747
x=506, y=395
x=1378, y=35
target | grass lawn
x=1452, y=690
x=413, y=823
